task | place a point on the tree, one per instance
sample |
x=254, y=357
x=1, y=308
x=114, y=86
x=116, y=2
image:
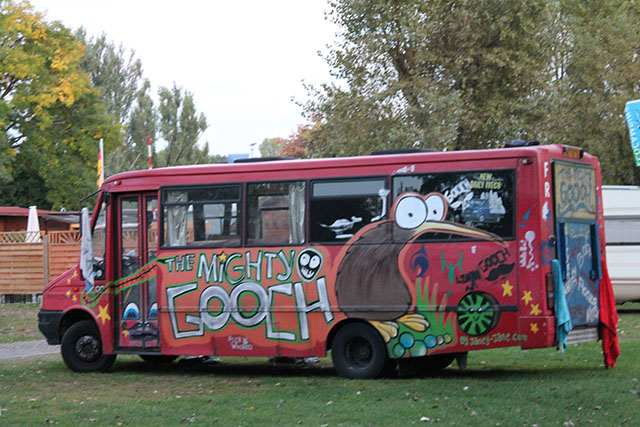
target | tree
x=595, y=73
x=299, y=143
x=181, y=127
x=118, y=74
x=270, y=147
x=218, y=158
x=467, y=74
x=142, y=124
x=50, y=115
x=431, y=73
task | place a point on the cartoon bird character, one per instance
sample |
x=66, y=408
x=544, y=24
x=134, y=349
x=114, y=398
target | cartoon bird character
x=370, y=284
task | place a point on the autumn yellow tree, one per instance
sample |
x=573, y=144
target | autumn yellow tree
x=51, y=117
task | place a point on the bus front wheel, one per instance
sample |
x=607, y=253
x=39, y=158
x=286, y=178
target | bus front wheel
x=81, y=348
x=358, y=351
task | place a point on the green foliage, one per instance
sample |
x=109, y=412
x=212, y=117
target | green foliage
x=181, y=127
x=118, y=75
x=50, y=115
x=454, y=75
x=270, y=147
x=218, y=158
x=432, y=73
x=596, y=72
x=114, y=71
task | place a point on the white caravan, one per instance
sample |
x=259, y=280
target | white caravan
x=621, y=206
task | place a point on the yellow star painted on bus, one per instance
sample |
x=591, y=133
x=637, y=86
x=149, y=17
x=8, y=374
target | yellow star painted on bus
x=223, y=257
x=506, y=289
x=125, y=333
x=103, y=315
x=68, y=294
x=75, y=273
x=527, y=298
x=534, y=328
x=535, y=309
x=68, y=282
x=74, y=298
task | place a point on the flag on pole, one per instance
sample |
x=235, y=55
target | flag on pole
x=632, y=114
x=149, y=150
x=100, y=166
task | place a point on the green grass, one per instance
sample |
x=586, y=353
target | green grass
x=19, y=322
x=500, y=387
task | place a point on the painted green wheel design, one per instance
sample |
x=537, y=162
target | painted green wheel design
x=477, y=313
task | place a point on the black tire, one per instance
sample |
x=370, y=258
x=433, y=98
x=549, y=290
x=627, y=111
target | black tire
x=358, y=351
x=158, y=359
x=81, y=348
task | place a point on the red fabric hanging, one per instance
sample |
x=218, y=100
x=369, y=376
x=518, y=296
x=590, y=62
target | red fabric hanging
x=608, y=319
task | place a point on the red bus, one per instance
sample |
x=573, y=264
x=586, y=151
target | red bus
x=379, y=259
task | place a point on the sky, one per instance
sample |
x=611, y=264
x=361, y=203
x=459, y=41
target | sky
x=243, y=61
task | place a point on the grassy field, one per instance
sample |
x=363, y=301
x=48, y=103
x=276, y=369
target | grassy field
x=19, y=322
x=500, y=387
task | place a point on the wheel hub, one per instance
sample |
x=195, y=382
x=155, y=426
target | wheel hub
x=88, y=348
x=359, y=352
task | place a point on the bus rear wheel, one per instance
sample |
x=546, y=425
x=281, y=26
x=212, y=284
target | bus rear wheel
x=81, y=348
x=358, y=351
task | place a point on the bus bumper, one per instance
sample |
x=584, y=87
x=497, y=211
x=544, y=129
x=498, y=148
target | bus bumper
x=49, y=325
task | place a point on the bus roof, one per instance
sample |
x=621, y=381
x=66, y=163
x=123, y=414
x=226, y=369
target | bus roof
x=154, y=178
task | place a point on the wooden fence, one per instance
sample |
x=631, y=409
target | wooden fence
x=25, y=268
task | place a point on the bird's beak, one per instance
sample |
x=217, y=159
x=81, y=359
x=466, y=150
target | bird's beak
x=452, y=228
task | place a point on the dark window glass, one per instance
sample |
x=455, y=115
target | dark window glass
x=479, y=199
x=339, y=208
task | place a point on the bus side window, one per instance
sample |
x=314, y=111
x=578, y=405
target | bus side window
x=202, y=216
x=276, y=213
x=339, y=208
x=482, y=199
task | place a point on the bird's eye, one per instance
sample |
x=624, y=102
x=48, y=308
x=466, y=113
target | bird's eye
x=315, y=262
x=131, y=312
x=304, y=259
x=411, y=211
x=436, y=207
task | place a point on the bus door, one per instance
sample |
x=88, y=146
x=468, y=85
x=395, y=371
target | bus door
x=136, y=292
x=578, y=246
